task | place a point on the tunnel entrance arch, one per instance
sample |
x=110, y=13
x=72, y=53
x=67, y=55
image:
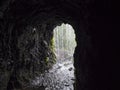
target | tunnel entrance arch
x=64, y=41
x=64, y=46
x=86, y=58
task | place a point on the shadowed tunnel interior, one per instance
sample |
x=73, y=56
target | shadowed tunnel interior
x=26, y=48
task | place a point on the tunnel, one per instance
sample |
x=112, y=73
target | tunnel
x=26, y=44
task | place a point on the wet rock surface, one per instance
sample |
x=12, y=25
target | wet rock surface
x=95, y=57
x=59, y=77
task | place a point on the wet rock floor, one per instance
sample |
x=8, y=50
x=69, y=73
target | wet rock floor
x=59, y=77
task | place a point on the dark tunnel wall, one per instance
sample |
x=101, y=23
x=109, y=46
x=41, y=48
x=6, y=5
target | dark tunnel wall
x=91, y=20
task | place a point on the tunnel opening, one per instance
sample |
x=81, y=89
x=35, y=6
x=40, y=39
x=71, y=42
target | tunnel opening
x=64, y=44
x=61, y=75
x=24, y=52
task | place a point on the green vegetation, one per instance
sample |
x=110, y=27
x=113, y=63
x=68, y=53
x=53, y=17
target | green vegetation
x=64, y=39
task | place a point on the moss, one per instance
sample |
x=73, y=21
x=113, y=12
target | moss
x=52, y=44
x=47, y=60
x=52, y=47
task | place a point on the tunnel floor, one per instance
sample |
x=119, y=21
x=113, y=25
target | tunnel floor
x=59, y=77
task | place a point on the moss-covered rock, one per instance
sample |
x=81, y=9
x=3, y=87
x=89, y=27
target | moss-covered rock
x=35, y=53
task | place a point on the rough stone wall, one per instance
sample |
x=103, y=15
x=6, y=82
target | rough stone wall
x=35, y=51
x=91, y=20
x=26, y=52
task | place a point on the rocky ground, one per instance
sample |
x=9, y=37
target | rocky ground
x=59, y=77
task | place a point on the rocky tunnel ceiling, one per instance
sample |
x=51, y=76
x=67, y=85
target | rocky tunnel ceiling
x=26, y=27
x=27, y=10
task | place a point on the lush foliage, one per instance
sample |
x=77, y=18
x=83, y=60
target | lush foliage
x=64, y=40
